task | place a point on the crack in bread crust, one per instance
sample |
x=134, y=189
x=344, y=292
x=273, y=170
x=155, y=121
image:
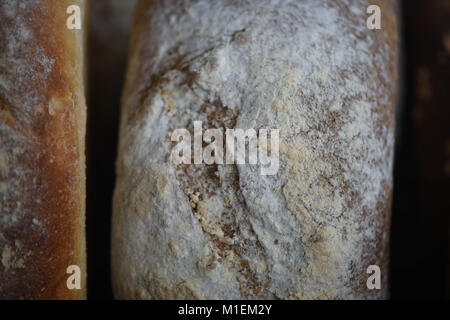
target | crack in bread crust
x=223, y=224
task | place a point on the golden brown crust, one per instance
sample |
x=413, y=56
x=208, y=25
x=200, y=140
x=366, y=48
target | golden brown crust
x=42, y=128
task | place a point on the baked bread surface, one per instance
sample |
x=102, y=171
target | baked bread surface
x=309, y=68
x=42, y=132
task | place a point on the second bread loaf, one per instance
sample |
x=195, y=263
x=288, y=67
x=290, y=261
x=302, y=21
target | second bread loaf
x=311, y=69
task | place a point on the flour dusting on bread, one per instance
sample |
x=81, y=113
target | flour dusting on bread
x=310, y=68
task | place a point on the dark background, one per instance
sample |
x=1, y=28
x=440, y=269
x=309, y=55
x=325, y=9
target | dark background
x=420, y=217
x=420, y=259
x=108, y=48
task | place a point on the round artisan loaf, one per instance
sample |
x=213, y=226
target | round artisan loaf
x=309, y=68
x=42, y=131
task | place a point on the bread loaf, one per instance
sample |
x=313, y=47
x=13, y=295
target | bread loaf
x=42, y=131
x=311, y=69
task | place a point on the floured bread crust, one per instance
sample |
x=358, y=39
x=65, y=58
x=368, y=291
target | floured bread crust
x=42, y=131
x=309, y=68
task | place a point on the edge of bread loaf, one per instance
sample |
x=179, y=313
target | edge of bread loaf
x=42, y=161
